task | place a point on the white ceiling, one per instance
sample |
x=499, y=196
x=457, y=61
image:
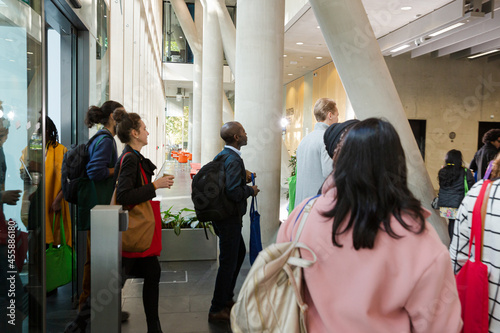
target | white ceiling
x=392, y=26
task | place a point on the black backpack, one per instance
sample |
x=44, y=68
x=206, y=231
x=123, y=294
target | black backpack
x=208, y=192
x=74, y=167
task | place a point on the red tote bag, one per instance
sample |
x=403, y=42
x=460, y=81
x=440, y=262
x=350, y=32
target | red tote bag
x=472, y=280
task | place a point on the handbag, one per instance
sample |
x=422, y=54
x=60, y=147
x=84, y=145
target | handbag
x=292, y=187
x=58, y=261
x=141, y=221
x=472, y=279
x=255, y=238
x=271, y=298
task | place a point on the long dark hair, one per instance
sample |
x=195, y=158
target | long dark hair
x=371, y=179
x=452, y=169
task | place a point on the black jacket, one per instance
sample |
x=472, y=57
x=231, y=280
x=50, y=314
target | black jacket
x=452, y=195
x=482, y=158
x=236, y=188
x=130, y=189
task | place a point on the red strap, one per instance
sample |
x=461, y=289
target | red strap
x=477, y=225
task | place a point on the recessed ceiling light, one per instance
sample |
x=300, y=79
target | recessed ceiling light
x=293, y=62
x=318, y=27
x=319, y=58
x=406, y=8
x=9, y=40
x=402, y=47
x=12, y=60
x=299, y=43
x=284, y=55
x=180, y=37
x=29, y=52
x=290, y=74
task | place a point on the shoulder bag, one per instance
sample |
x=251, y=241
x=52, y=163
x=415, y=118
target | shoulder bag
x=58, y=261
x=472, y=279
x=271, y=298
x=141, y=221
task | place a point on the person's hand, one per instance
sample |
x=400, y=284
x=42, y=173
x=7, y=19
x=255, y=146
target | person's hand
x=11, y=197
x=255, y=190
x=56, y=206
x=249, y=176
x=164, y=182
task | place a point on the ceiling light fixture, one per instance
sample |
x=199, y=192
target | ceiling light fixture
x=29, y=52
x=483, y=54
x=318, y=27
x=284, y=55
x=442, y=31
x=319, y=58
x=402, y=47
x=290, y=74
x=406, y=8
x=299, y=43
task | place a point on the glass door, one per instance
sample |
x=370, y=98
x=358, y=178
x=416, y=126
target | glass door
x=22, y=243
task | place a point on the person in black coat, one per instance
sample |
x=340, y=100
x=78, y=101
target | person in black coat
x=232, y=248
x=131, y=190
x=453, y=177
x=486, y=153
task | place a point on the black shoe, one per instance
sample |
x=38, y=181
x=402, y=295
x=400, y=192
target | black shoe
x=125, y=316
x=76, y=326
x=221, y=316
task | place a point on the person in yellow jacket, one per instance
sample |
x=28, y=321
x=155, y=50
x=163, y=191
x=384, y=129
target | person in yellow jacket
x=55, y=205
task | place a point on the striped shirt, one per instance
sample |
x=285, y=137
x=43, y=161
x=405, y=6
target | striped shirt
x=459, y=249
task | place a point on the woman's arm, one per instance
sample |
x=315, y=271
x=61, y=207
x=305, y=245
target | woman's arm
x=129, y=190
x=433, y=305
x=459, y=247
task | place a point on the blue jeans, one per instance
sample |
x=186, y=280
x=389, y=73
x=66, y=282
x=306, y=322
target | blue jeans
x=232, y=253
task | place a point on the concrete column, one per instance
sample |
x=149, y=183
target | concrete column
x=211, y=115
x=258, y=103
x=228, y=33
x=369, y=86
x=116, y=32
x=190, y=127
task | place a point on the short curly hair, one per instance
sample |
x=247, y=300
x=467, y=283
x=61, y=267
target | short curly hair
x=491, y=135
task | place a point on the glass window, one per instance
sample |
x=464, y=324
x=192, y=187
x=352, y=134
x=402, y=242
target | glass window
x=21, y=167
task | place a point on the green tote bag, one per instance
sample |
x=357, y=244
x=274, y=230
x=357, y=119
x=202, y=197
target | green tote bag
x=58, y=262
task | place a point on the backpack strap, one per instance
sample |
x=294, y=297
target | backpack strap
x=306, y=209
x=101, y=136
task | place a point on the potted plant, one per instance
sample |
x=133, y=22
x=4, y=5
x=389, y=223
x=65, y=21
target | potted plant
x=186, y=238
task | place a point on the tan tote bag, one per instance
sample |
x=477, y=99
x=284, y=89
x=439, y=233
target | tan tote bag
x=141, y=222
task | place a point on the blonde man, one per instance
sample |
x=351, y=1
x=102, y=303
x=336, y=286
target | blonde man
x=313, y=162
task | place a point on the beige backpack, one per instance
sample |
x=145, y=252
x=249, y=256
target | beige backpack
x=271, y=298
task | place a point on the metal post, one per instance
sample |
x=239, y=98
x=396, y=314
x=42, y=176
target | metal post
x=107, y=222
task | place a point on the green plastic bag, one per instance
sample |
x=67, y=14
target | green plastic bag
x=292, y=183
x=58, y=262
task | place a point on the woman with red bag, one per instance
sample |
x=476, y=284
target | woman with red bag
x=490, y=251
x=134, y=187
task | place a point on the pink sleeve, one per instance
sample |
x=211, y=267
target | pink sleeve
x=287, y=227
x=433, y=305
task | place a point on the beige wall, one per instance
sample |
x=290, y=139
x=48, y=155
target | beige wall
x=326, y=83
x=451, y=95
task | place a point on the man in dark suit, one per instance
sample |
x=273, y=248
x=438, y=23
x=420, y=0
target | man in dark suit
x=231, y=245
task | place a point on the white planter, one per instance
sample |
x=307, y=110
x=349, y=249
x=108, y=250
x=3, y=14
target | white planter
x=191, y=244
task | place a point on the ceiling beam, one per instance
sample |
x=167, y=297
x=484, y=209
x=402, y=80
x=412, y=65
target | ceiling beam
x=469, y=42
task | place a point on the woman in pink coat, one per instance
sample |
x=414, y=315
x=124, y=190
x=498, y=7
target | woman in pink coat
x=381, y=267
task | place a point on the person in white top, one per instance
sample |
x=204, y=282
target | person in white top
x=313, y=162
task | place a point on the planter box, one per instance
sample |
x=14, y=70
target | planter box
x=191, y=244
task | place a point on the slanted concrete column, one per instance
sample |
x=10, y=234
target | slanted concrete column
x=228, y=33
x=193, y=32
x=258, y=101
x=211, y=116
x=369, y=86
